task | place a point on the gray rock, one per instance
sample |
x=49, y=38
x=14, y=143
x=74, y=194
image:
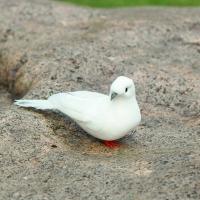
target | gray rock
x=47, y=47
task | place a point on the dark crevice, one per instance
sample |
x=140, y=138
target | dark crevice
x=9, y=74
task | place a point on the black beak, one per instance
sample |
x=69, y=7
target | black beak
x=113, y=95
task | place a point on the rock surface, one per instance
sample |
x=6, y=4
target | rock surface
x=47, y=47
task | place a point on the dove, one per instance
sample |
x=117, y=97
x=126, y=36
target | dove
x=106, y=117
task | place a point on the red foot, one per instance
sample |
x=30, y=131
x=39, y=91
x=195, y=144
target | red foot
x=111, y=144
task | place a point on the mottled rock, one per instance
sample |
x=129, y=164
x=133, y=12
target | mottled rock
x=47, y=47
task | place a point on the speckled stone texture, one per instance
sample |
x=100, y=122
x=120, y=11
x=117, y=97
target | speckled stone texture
x=47, y=47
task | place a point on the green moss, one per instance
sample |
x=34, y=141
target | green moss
x=120, y=3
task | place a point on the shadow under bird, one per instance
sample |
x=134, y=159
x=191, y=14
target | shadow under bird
x=106, y=117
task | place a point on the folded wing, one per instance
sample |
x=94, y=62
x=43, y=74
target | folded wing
x=80, y=106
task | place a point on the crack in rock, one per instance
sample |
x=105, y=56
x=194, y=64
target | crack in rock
x=9, y=73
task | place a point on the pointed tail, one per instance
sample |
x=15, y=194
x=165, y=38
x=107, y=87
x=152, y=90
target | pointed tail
x=38, y=104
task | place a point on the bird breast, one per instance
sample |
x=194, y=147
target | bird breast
x=121, y=119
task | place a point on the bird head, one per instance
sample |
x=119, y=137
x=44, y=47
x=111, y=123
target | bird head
x=122, y=87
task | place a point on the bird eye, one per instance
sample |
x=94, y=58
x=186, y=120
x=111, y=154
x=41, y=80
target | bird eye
x=126, y=90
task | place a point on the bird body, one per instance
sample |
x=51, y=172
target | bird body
x=107, y=117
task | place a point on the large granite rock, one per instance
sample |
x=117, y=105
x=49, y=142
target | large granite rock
x=47, y=47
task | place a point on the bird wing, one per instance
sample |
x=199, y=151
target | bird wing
x=81, y=106
x=88, y=95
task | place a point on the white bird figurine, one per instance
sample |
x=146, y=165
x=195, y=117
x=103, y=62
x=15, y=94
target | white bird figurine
x=106, y=117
